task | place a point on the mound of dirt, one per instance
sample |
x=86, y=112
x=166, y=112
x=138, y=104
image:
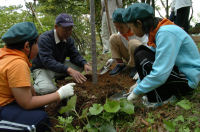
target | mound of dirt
x=89, y=93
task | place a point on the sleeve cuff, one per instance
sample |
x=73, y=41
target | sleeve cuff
x=65, y=68
x=136, y=91
x=83, y=63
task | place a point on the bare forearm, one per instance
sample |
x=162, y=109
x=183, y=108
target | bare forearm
x=39, y=101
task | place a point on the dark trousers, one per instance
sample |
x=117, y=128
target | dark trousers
x=176, y=84
x=182, y=18
x=18, y=117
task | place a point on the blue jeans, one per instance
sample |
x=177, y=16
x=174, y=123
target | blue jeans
x=18, y=117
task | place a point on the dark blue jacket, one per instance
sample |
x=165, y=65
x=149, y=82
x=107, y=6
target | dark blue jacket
x=52, y=56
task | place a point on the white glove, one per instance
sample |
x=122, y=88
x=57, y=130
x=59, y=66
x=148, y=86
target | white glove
x=109, y=62
x=132, y=87
x=136, y=76
x=132, y=96
x=66, y=90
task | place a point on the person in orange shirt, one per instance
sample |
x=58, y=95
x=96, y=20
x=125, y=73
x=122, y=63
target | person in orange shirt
x=20, y=108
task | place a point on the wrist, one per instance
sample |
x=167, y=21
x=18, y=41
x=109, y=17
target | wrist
x=86, y=64
x=69, y=70
x=58, y=95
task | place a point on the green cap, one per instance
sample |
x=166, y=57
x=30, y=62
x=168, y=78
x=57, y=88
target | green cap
x=137, y=11
x=20, y=32
x=117, y=15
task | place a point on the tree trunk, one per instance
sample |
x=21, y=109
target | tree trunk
x=167, y=9
x=148, y=2
x=93, y=38
x=153, y=5
x=108, y=17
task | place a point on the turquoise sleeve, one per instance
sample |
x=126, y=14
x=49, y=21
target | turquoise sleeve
x=167, y=48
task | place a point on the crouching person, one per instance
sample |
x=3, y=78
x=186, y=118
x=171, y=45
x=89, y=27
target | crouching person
x=172, y=69
x=20, y=109
x=50, y=63
x=123, y=44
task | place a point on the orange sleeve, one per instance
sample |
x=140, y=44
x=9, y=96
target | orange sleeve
x=18, y=74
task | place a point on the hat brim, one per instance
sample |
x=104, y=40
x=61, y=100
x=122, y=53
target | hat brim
x=66, y=24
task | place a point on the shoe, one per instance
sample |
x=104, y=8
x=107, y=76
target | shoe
x=148, y=104
x=118, y=68
x=133, y=72
x=106, y=51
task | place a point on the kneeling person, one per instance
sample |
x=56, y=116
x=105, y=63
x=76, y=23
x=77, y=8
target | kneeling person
x=50, y=63
x=124, y=44
x=20, y=108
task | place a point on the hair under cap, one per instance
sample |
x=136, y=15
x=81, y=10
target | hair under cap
x=20, y=32
x=117, y=15
x=136, y=11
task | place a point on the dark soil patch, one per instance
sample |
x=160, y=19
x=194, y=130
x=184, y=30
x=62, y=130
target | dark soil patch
x=89, y=93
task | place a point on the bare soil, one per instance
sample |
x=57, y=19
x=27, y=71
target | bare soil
x=89, y=93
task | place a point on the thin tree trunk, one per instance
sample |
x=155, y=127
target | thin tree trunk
x=34, y=13
x=107, y=16
x=160, y=13
x=148, y=2
x=153, y=5
x=93, y=38
x=167, y=9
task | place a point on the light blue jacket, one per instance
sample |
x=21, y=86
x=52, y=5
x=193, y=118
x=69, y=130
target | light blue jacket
x=173, y=47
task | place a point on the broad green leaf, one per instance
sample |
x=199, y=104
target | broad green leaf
x=84, y=113
x=107, y=116
x=107, y=128
x=127, y=106
x=185, y=104
x=70, y=105
x=96, y=109
x=170, y=125
x=111, y=106
x=179, y=118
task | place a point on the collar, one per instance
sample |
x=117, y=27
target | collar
x=5, y=51
x=128, y=34
x=153, y=32
x=57, y=40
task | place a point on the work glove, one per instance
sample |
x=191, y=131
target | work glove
x=132, y=87
x=66, y=91
x=132, y=96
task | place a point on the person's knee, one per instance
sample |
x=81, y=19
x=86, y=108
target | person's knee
x=44, y=88
x=43, y=123
x=140, y=50
x=113, y=39
x=40, y=116
x=133, y=44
